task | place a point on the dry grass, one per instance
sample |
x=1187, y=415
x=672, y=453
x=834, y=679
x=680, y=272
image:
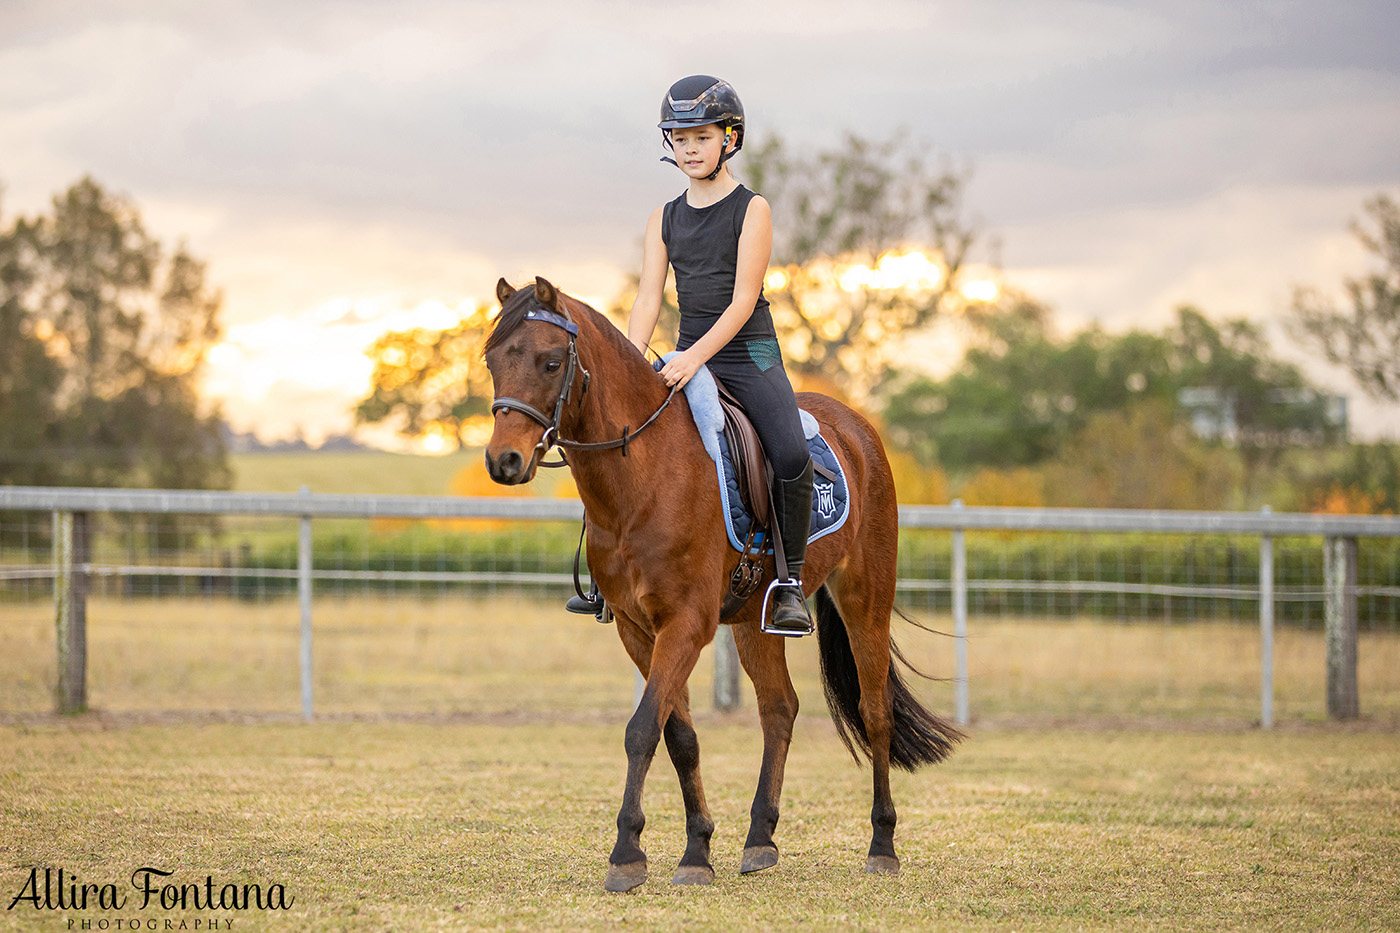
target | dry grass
x=423, y=827
x=378, y=655
x=498, y=811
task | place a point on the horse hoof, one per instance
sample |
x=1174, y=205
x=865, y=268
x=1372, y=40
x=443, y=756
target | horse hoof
x=694, y=874
x=625, y=877
x=757, y=858
x=882, y=865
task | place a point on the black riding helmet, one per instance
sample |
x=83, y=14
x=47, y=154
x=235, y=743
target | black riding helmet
x=700, y=100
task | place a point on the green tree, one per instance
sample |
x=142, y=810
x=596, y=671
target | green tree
x=1139, y=457
x=29, y=377
x=1020, y=395
x=1364, y=479
x=869, y=243
x=107, y=331
x=431, y=382
x=1365, y=338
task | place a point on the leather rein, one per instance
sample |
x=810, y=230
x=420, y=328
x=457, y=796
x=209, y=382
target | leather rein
x=572, y=368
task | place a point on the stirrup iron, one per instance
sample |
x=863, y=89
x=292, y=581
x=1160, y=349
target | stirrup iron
x=589, y=604
x=763, y=624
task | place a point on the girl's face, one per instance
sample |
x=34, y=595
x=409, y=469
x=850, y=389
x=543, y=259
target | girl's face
x=698, y=148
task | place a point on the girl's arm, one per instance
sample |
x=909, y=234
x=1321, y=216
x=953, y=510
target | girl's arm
x=755, y=248
x=646, y=307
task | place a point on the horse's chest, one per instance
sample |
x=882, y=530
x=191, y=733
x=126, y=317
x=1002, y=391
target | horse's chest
x=626, y=569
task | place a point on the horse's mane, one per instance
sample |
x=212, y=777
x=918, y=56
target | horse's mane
x=513, y=315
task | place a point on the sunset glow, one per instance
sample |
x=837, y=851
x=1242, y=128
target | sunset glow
x=982, y=290
x=909, y=270
x=912, y=271
x=306, y=371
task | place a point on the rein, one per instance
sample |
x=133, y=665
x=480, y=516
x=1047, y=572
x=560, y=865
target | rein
x=551, y=438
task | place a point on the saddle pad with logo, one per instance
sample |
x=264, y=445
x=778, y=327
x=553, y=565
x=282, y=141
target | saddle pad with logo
x=831, y=500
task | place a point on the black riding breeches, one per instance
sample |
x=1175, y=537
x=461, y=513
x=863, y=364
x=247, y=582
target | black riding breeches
x=753, y=373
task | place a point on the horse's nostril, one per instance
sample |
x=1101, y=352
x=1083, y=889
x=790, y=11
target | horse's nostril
x=509, y=465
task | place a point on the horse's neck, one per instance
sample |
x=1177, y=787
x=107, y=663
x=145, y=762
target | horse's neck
x=624, y=389
x=623, y=393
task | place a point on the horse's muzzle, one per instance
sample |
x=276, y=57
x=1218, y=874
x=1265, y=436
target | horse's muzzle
x=509, y=469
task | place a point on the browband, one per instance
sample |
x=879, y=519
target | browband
x=549, y=317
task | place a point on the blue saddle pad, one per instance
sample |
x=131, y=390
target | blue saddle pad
x=831, y=501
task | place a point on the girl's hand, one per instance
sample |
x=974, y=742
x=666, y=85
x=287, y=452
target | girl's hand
x=681, y=368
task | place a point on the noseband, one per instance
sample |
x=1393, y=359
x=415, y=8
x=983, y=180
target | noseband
x=572, y=367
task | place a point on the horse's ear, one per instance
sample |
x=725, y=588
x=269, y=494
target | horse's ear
x=503, y=291
x=546, y=293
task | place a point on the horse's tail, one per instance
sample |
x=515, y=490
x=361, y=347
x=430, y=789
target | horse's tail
x=917, y=738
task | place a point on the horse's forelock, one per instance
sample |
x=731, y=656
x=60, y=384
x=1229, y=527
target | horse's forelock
x=511, y=317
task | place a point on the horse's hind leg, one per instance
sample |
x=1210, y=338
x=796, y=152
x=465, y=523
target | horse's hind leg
x=864, y=595
x=764, y=659
x=684, y=748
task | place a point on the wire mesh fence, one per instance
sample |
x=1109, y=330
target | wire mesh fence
x=424, y=614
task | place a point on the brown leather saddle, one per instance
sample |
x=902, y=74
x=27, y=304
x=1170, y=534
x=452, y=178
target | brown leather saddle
x=751, y=468
x=752, y=473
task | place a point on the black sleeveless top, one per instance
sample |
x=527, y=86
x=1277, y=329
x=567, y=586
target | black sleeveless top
x=703, y=246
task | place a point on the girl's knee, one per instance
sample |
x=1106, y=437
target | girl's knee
x=792, y=463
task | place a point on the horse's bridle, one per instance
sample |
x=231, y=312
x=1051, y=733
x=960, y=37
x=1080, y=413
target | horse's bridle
x=572, y=367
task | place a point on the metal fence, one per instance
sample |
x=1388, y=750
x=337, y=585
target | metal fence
x=1203, y=579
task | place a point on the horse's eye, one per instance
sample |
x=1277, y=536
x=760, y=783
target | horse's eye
x=552, y=366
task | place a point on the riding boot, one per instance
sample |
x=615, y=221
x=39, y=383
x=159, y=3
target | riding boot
x=792, y=501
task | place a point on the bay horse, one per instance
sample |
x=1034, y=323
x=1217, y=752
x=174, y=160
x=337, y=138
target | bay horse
x=658, y=553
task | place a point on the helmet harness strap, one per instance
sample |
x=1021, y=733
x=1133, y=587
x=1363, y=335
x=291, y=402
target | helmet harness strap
x=724, y=156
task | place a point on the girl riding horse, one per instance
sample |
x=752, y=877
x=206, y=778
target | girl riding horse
x=718, y=236
x=657, y=548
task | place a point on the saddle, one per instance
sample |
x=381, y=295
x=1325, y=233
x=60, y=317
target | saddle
x=752, y=474
x=757, y=538
x=751, y=468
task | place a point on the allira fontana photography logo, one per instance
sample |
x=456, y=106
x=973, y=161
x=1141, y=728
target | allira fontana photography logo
x=148, y=889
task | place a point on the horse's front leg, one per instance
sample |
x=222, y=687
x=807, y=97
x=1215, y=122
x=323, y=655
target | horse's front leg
x=684, y=746
x=673, y=657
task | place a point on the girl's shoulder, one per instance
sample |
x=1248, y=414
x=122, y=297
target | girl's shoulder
x=753, y=199
x=665, y=213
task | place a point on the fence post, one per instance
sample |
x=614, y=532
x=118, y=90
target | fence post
x=1339, y=614
x=962, y=710
x=304, y=595
x=72, y=551
x=726, y=671
x=1266, y=628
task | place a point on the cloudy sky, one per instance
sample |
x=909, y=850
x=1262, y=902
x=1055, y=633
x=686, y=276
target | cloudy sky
x=351, y=166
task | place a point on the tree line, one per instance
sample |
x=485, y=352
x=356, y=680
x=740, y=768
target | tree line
x=103, y=334
x=872, y=243
x=104, y=331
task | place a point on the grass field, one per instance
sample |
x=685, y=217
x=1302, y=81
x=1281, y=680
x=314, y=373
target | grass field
x=468, y=765
x=366, y=472
x=387, y=654
x=479, y=825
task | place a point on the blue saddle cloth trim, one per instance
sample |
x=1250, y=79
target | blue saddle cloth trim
x=831, y=502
